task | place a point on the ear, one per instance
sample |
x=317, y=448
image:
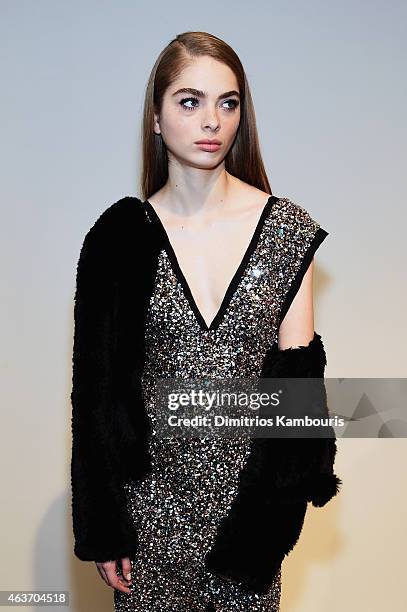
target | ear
x=156, y=124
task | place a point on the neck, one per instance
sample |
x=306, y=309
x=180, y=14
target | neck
x=199, y=194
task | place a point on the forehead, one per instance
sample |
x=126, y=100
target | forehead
x=206, y=74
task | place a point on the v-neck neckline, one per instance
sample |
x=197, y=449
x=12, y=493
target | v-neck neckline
x=235, y=280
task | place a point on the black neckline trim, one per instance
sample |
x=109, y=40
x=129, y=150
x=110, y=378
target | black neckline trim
x=236, y=278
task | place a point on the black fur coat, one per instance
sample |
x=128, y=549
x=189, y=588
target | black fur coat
x=114, y=281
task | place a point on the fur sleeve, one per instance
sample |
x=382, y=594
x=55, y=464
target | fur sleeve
x=303, y=468
x=102, y=529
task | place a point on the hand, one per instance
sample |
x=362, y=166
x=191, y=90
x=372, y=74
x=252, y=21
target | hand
x=108, y=572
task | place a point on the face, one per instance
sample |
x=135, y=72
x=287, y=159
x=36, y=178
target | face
x=207, y=108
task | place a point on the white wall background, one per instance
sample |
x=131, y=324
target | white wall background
x=328, y=82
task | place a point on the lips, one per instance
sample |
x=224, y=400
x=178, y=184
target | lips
x=207, y=141
x=208, y=145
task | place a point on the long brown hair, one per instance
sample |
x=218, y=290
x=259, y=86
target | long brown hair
x=244, y=159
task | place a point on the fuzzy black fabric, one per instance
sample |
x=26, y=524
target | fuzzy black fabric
x=109, y=423
x=301, y=468
x=251, y=542
x=280, y=477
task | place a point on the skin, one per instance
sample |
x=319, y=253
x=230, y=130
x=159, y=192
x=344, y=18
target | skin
x=107, y=572
x=207, y=212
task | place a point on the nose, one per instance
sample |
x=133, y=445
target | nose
x=211, y=120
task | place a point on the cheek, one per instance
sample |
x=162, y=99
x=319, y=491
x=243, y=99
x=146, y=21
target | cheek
x=230, y=126
x=178, y=125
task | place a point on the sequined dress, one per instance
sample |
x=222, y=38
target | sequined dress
x=178, y=507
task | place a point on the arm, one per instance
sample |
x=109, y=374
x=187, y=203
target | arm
x=297, y=327
x=300, y=353
x=101, y=525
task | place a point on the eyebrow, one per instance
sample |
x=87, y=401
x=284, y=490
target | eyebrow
x=201, y=94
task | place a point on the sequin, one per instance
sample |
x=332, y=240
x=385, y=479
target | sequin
x=194, y=481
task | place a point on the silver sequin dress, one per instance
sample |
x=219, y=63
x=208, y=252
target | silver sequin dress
x=194, y=480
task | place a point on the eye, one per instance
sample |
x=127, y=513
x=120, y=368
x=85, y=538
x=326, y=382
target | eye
x=184, y=101
x=235, y=104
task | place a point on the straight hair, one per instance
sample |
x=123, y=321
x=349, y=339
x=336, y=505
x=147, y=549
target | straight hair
x=244, y=159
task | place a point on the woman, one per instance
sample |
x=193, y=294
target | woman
x=226, y=285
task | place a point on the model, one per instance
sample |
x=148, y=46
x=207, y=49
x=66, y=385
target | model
x=197, y=279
